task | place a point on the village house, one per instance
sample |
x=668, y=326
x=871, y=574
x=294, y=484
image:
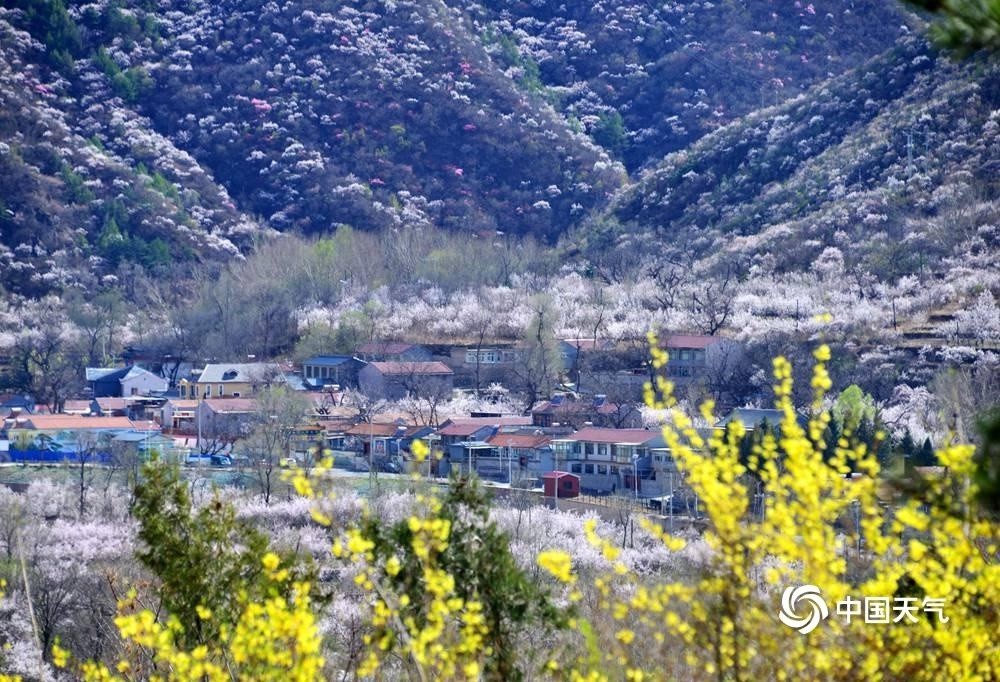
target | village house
x=459, y=429
x=325, y=370
x=225, y=420
x=62, y=436
x=395, y=380
x=115, y=382
x=526, y=455
x=375, y=443
x=610, y=460
x=178, y=415
x=232, y=380
x=481, y=365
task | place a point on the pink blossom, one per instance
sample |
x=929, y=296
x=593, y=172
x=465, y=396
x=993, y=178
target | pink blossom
x=469, y=127
x=377, y=181
x=458, y=171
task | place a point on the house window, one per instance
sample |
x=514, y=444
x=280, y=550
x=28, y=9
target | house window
x=602, y=450
x=470, y=357
x=236, y=394
x=222, y=389
x=576, y=468
x=134, y=391
x=588, y=468
x=602, y=469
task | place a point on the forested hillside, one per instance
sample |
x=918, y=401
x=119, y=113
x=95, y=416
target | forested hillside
x=152, y=134
x=882, y=176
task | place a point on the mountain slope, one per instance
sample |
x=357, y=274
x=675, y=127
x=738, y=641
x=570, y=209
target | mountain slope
x=647, y=79
x=893, y=165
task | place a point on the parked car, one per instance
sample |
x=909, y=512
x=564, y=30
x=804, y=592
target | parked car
x=222, y=461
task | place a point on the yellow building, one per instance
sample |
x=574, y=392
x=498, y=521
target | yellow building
x=232, y=380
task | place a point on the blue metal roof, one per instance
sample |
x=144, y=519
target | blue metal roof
x=327, y=360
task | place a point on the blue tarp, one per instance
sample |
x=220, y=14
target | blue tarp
x=48, y=456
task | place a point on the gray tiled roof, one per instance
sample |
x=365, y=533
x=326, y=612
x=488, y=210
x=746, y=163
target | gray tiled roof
x=246, y=372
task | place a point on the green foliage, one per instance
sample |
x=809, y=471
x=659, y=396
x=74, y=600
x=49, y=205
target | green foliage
x=610, y=132
x=78, y=192
x=116, y=245
x=49, y=22
x=320, y=338
x=853, y=405
x=130, y=84
x=478, y=557
x=204, y=558
x=165, y=187
x=964, y=26
x=111, y=234
x=120, y=24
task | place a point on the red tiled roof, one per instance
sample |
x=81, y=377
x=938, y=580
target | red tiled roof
x=596, y=434
x=431, y=368
x=518, y=440
x=374, y=429
x=76, y=406
x=70, y=422
x=558, y=474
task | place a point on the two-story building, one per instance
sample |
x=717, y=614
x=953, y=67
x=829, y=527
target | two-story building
x=523, y=455
x=610, y=460
x=232, y=380
x=476, y=366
